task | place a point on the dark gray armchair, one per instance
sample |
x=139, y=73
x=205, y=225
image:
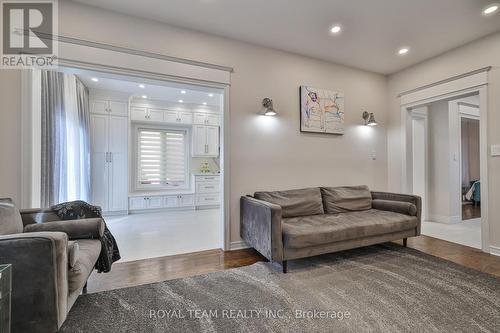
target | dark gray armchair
x=51, y=262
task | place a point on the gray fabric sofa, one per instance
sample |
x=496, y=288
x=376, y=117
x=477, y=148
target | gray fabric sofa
x=284, y=225
x=51, y=262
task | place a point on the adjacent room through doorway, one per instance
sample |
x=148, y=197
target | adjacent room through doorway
x=445, y=136
x=148, y=152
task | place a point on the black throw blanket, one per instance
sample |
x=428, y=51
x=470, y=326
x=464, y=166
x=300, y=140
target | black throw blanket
x=76, y=210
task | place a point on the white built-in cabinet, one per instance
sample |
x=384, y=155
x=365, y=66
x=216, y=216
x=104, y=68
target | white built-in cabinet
x=203, y=118
x=159, y=116
x=205, y=141
x=109, y=149
x=117, y=108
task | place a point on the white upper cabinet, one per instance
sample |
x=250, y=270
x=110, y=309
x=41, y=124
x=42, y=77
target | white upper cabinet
x=118, y=108
x=158, y=115
x=205, y=141
x=115, y=108
x=202, y=118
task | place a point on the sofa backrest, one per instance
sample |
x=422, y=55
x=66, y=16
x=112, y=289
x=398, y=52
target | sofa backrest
x=301, y=202
x=10, y=218
x=346, y=199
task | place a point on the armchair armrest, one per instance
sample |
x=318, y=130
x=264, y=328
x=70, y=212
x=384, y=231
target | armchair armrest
x=38, y=215
x=261, y=227
x=408, y=198
x=39, y=279
x=75, y=229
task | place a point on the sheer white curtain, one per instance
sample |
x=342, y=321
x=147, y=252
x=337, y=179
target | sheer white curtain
x=65, y=139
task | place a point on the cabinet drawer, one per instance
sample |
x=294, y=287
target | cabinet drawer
x=207, y=187
x=207, y=199
x=207, y=178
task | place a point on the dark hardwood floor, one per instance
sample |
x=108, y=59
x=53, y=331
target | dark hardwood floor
x=471, y=212
x=139, y=272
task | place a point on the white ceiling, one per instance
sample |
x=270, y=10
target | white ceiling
x=373, y=30
x=153, y=89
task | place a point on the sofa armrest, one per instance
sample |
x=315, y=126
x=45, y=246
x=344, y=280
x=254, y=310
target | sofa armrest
x=39, y=279
x=75, y=229
x=414, y=199
x=261, y=227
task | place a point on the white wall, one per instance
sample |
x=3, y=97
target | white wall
x=481, y=53
x=266, y=153
x=439, y=162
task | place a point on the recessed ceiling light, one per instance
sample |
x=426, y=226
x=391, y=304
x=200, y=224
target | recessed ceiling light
x=336, y=29
x=144, y=96
x=181, y=101
x=142, y=86
x=95, y=79
x=491, y=9
x=183, y=92
x=403, y=51
x=210, y=95
x=204, y=103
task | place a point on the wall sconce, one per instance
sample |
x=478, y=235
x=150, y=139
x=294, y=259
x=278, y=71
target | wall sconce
x=369, y=119
x=268, y=107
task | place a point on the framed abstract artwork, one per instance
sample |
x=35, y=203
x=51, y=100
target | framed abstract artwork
x=321, y=111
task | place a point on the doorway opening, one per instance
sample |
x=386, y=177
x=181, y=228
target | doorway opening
x=446, y=167
x=154, y=161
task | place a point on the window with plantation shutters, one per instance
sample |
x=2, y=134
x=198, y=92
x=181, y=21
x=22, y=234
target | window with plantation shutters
x=161, y=157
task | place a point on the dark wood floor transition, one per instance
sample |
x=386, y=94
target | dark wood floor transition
x=139, y=272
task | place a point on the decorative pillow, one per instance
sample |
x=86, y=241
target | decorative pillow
x=302, y=202
x=10, y=218
x=406, y=208
x=346, y=199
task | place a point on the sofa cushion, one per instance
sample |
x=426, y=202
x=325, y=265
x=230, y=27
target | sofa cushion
x=301, y=202
x=346, y=199
x=86, y=257
x=10, y=218
x=300, y=232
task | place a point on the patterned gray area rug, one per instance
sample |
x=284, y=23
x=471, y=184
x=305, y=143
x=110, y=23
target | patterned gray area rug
x=383, y=288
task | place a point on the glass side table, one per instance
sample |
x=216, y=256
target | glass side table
x=5, y=289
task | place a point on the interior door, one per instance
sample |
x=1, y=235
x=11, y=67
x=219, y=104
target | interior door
x=118, y=184
x=199, y=140
x=99, y=160
x=212, y=140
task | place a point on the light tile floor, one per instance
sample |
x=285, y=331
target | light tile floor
x=467, y=232
x=150, y=235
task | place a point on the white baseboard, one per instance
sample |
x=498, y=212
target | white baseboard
x=445, y=219
x=495, y=250
x=238, y=245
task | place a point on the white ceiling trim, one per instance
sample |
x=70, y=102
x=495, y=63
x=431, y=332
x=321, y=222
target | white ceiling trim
x=85, y=54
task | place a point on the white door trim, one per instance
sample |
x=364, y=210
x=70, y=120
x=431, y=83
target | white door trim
x=460, y=117
x=476, y=82
x=88, y=55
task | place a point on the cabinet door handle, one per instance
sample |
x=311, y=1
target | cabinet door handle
x=110, y=157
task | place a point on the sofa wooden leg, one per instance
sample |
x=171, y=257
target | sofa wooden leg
x=284, y=264
x=84, y=291
x=405, y=242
